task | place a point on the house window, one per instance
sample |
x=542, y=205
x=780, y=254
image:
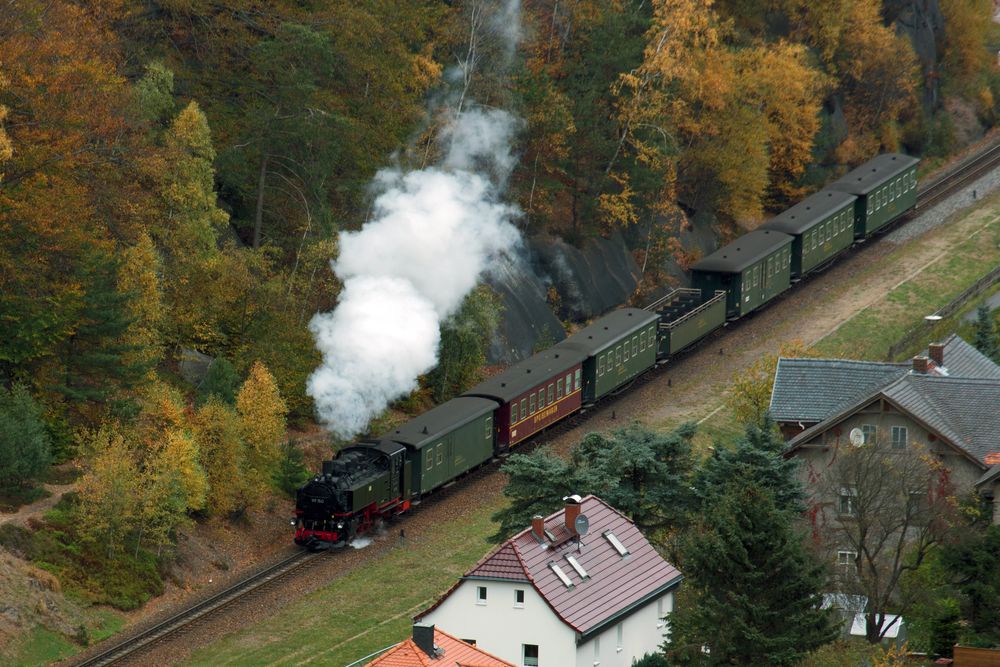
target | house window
x=899, y=437
x=480, y=594
x=869, y=431
x=848, y=501
x=620, y=639
x=513, y=413
x=660, y=616
x=917, y=504
x=597, y=651
x=519, y=598
x=530, y=655
x=846, y=558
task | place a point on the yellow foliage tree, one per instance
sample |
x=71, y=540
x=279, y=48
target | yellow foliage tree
x=966, y=32
x=217, y=430
x=750, y=392
x=111, y=500
x=138, y=274
x=262, y=419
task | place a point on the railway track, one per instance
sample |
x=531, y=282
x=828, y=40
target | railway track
x=131, y=647
x=134, y=645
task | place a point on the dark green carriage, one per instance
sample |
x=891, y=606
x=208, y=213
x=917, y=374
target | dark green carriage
x=822, y=226
x=685, y=317
x=752, y=270
x=885, y=187
x=447, y=441
x=618, y=347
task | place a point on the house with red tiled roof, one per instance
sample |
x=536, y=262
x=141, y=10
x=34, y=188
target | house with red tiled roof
x=432, y=647
x=580, y=587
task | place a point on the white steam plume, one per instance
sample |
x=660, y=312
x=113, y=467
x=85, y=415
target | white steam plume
x=433, y=233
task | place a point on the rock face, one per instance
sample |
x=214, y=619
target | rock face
x=923, y=24
x=588, y=282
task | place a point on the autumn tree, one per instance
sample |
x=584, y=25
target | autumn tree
x=886, y=509
x=465, y=338
x=217, y=429
x=111, y=500
x=262, y=424
x=749, y=395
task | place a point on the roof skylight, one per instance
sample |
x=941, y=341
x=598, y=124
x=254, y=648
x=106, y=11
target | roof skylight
x=562, y=575
x=616, y=543
x=576, y=566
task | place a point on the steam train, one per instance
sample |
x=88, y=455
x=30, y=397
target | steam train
x=380, y=478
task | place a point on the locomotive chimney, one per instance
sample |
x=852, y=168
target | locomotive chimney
x=423, y=637
x=328, y=467
x=538, y=527
x=920, y=364
x=936, y=352
x=572, y=511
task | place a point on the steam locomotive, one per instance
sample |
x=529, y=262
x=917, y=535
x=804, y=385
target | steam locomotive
x=378, y=479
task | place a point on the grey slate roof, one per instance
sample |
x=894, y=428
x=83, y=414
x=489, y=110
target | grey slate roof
x=743, y=252
x=964, y=360
x=810, y=390
x=447, y=417
x=873, y=173
x=964, y=410
x=814, y=209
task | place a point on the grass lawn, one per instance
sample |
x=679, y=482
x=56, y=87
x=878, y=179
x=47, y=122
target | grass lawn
x=366, y=610
x=870, y=333
x=44, y=647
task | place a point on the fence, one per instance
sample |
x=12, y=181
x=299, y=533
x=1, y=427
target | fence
x=922, y=330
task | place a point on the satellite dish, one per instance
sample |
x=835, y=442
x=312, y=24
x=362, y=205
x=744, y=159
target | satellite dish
x=581, y=525
x=857, y=437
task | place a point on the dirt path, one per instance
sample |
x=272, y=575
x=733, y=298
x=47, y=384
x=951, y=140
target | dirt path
x=37, y=508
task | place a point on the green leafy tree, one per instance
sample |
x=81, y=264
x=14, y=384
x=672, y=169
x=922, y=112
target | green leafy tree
x=640, y=472
x=465, y=338
x=751, y=591
x=975, y=569
x=24, y=441
x=220, y=382
x=292, y=472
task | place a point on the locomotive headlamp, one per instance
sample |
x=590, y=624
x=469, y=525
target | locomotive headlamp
x=293, y=522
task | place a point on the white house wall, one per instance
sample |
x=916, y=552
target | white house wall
x=642, y=633
x=500, y=628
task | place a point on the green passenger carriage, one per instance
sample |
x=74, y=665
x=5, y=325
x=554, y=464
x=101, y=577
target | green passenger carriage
x=752, y=270
x=885, y=187
x=618, y=347
x=822, y=225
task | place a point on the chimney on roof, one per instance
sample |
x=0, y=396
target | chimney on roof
x=921, y=364
x=936, y=352
x=538, y=527
x=423, y=637
x=572, y=511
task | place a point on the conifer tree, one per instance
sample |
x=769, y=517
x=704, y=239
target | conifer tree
x=24, y=442
x=751, y=592
x=987, y=338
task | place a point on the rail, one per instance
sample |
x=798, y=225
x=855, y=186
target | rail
x=126, y=648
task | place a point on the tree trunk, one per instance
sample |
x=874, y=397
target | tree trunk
x=258, y=222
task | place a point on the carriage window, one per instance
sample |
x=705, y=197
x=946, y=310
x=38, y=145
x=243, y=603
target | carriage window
x=559, y=386
x=489, y=426
x=569, y=383
x=829, y=227
x=440, y=452
x=552, y=393
x=625, y=355
x=600, y=369
x=541, y=398
x=642, y=340
x=635, y=345
x=618, y=356
x=430, y=458
x=531, y=403
x=513, y=413
x=577, y=384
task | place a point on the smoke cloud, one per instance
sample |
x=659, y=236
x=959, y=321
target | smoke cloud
x=433, y=233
